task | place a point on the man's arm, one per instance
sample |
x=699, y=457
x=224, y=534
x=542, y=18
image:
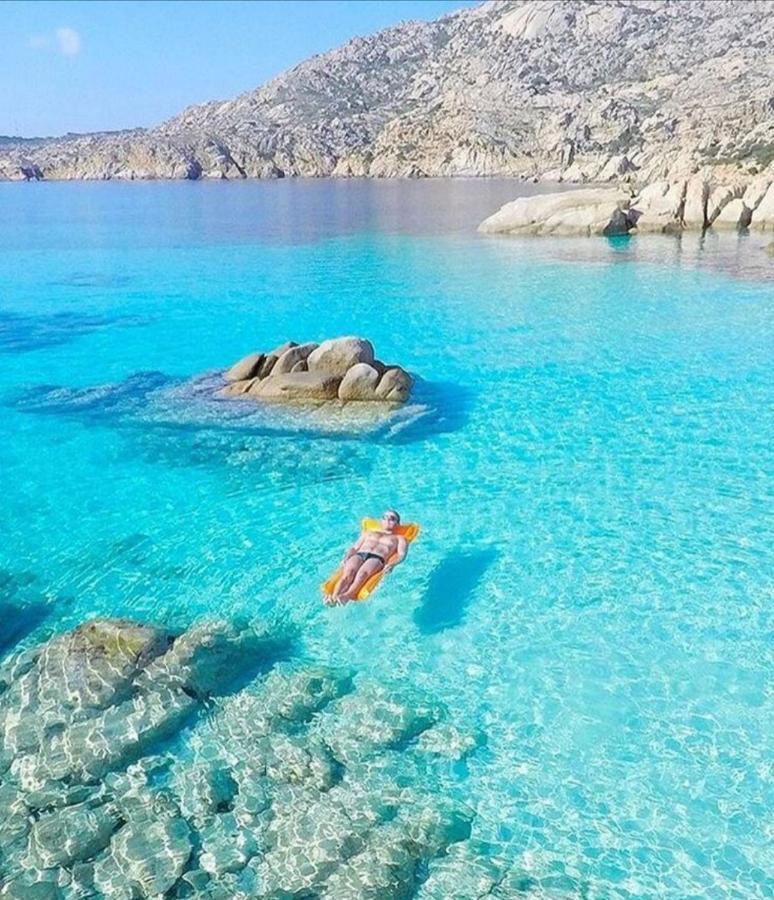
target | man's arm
x=400, y=554
x=355, y=547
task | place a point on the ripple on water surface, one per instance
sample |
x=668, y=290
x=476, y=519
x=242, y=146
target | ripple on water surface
x=592, y=584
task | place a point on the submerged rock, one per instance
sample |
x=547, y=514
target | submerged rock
x=70, y=835
x=300, y=780
x=343, y=369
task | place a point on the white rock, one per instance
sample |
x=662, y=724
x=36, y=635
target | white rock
x=246, y=368
x=291, y=357
x=615, y=167
x=756, y=191
x=337, y=355
x=587, y=211
x=297, y=386
x=395, y=386
x=659, y=206
x=718, y=198
x=696, y=197
x=735, y=214
x=763, y=215
x=359, y=383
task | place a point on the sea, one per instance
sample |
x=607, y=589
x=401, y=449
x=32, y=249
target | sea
x=589, y=452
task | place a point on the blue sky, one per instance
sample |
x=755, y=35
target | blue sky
x=89, y=66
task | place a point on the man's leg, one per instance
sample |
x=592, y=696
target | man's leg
x=370, y=567
x=348, y=572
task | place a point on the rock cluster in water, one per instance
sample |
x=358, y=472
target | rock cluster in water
x=559, y=89
x=343, y=369
x=132, y=765
x=667, y=207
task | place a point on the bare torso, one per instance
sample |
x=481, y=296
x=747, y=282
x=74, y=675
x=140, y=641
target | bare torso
x=378, y=542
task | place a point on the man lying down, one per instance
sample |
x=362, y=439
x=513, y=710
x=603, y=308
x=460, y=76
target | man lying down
x=369, y=555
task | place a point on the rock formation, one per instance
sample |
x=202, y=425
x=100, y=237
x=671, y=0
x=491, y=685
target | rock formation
x=587, y=211
x=343, y=369
x=665, y=207
x=570, y=89
x=305, y=782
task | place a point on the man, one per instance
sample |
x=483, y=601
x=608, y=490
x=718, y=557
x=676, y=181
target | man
x=369, y=555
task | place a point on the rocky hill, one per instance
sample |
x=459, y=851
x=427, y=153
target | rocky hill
x=572, y=89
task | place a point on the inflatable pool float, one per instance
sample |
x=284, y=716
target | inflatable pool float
x=409, y=531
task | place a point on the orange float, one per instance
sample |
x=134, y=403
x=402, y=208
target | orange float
x=409, y=531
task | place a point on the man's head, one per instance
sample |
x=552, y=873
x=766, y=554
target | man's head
x=390, y=520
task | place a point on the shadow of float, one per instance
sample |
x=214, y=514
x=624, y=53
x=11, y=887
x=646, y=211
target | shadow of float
x=450, y=590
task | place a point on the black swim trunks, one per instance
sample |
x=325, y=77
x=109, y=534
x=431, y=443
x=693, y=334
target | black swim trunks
x=366, y=556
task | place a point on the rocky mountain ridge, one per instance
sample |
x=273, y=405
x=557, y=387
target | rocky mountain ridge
x=572, y=90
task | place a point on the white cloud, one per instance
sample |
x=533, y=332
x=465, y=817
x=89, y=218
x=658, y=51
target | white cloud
x=69, y=41
x=66, y=40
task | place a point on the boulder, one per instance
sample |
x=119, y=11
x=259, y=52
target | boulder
x=395, y=386
x=267, y=365
x=204, y=659
x=735, y=214
x=237, y=388
x=82, y=671
x=149, y=856
x=336, y=356
x=359, y=383
x=360, y=724
x=659, y=207
x=246, y=368
x=763, y=215
x=68, y=835
x=695, y=209
x=291, y=357
x=756, y=191
x=283, y=348
x=384, y=870
x=602, y=211
x=297, y=386
x=615, y=167
x=718, y=198
x=341, y=368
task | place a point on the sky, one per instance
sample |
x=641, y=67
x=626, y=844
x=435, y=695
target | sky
x=92, y=66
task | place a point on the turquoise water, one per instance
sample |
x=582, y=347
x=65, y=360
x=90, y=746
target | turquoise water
x=593, y=472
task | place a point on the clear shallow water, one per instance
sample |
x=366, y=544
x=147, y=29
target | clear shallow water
x=593, y=584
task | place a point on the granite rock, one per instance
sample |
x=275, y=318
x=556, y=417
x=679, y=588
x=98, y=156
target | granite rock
x=359, y=383
x=343, y=369
x=296, y=387
x=337, y=355
x=300, y=780
x=590, y=211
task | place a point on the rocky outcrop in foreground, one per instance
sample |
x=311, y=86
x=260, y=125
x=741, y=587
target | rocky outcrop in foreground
x=560, y=89
x=304, y=783
x=660, y=207
x=343, y=369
